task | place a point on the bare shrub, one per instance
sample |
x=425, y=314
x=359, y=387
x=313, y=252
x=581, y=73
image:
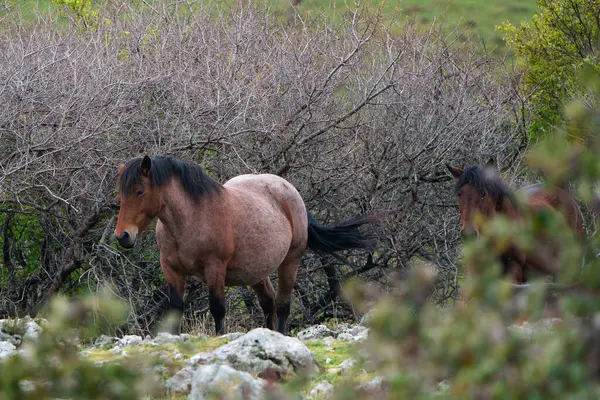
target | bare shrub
x=359, y=120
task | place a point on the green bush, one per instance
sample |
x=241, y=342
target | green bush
x=552, y=48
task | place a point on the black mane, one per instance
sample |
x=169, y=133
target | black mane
x=194, y=180
x=485, y=181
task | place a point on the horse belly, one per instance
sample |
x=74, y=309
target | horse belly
x=254, y=264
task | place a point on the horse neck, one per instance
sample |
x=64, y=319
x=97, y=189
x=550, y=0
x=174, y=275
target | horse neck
x=179, y=210
x=505, y=205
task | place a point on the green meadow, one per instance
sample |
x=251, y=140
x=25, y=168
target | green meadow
x=477, y=16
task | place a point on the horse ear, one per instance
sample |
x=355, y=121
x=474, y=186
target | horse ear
x=455, y=171
x=146, y=165
x=121, y=168
x=491, y=163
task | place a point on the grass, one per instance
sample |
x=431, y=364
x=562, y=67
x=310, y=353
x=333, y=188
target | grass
x=477, y=16
x=29, y=9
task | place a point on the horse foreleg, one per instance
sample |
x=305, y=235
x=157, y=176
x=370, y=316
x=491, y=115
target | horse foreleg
x=515, y=271
x=266, y=298
x=176, y=288
x=513, y=263
x=285, y=284
x=215, y=280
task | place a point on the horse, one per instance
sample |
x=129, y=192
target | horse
x=481, y=190
x=232, y=234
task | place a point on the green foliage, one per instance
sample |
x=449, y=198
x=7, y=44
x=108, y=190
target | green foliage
x=479, y=347
x=83, y=11
x=52, y=367
x=23, y=241
x=558, y=42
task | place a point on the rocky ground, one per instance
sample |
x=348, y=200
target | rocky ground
x=235, y=364
x=239, y=365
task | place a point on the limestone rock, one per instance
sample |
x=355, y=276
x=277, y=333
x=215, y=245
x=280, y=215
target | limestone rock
x=164, y=337
x=130, y=340
x=104, y=340
x=364, y=321
x=315, y=332
x=232, y=335
x=323, y=388
x=7, y=349
x=375, y=389
x=221, y=381
x=181, y=382
x=262, y=349
x=353, y=333
x=347, y=365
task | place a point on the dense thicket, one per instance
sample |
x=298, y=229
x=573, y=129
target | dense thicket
x=360, y=121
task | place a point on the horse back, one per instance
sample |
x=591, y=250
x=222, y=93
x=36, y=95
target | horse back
x=539, y=197
x=274, y=191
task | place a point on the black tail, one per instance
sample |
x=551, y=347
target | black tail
x=345, y=236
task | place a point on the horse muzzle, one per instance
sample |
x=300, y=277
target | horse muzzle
x=126, y=240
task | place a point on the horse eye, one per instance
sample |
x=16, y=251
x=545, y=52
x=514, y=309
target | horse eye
x=140, y=192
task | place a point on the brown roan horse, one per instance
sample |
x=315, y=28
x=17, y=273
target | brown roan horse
x=225, y=235
x=481, y=190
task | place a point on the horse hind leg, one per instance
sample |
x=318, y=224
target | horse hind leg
x=266, y=298
x=285, y=285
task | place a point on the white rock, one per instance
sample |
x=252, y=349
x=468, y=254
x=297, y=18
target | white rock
x=353, y=334
x=221, y=381
x=201, y=359
x=376, y=388
x=347, y=365
x=315, y=332
x=25, y=328
x=32, y=329
x=181, y=382
x=130, y=340
x=7, y=349
x=5, y=337
x=364, y=321
x=165, y=337
x=232, y=336
x=262, y=349
x=186, y=337
x=104, y=340
x=323, y=388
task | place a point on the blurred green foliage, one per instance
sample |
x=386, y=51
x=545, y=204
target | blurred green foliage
x=482, y=348
x=52, y=367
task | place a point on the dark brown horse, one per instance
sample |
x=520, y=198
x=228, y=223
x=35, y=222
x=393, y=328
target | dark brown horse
x=481, y=191
x=225, y=235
